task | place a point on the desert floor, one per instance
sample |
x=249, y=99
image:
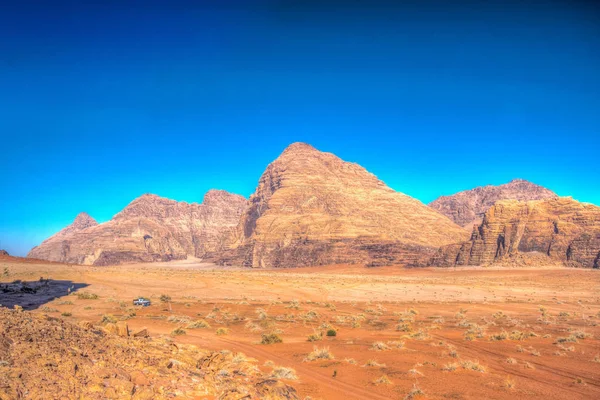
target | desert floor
x=399, y=333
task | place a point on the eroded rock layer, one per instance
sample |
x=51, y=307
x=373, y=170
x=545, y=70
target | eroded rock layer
x=559, y=230
x=312, y=208
x=468, y=207
x=150, y=228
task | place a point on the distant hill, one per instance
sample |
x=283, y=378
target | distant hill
x=467, y=208
x=150, y=228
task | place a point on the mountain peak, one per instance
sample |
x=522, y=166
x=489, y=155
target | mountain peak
x=311, y=207
x=83, y=220
x=299, y=147
x=217, y=197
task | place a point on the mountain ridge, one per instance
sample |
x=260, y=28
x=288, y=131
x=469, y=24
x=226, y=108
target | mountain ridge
x=149, y=228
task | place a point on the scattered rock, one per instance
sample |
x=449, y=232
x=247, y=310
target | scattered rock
x=143, y=333
x=61, y=360
x=122, y=329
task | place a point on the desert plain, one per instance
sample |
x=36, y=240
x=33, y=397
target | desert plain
x=348, y=331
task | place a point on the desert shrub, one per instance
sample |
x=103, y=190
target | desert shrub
x=178, y=319
x=511, y=360
x=65, y=303
x=284, y=373
x=450, y=367
x=165, y=298
x=499, y=336
x=49, y=309
x=419, y=335
x=87, y=296
x=66, y=314
x=571, y=339
x=320, y=354
x=295, y=304
x=383, y=380
x=270, y=338
x=108, y=318
x=311, y=315
x=404, y=327
x=414, y=392
x=509, y=383
x=222, y=331
x=331, y=332
x=315, y=337
x=198, y=324
x=373, y=363
x=517, y=335
x=472, y=365
x=379, y=346
x=580, y=334
x=178, y=332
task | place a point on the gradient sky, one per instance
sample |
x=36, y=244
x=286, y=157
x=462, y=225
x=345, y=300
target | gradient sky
x=102, y=103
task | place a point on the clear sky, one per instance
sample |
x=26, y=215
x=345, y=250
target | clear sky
x=102, y=103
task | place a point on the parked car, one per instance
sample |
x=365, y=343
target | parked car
x=141, y=302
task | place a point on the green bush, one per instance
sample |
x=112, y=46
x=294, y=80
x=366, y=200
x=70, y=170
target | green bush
x=331, y=332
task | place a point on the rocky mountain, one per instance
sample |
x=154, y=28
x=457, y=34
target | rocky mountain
x=467, y=208
x=312, y=208
x=541, y=232
x=150, y=228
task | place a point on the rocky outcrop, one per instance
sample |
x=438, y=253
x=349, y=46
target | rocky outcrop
x=150, y=228
x=44, y=357
x=558, y=230
x=312, y=208
x=3, y=253
x=468, y=207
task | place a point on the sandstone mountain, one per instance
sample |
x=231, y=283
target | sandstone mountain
x=467, y=208
x=312, y=208
x=150, y=228
x=542, y=232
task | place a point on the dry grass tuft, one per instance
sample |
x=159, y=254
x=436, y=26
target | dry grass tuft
x=320, y=354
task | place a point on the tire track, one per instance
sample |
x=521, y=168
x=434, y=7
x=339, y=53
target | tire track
x=350, y=391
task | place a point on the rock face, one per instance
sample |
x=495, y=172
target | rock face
x=467, y=208
x=312, y=208
x=559, y=230
x=150, y=228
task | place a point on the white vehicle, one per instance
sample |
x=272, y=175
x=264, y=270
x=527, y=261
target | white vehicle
x=141, y=302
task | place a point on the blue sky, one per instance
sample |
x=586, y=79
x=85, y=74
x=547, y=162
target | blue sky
x=102, y=103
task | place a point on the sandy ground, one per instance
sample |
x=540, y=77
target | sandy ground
x=533, y=333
